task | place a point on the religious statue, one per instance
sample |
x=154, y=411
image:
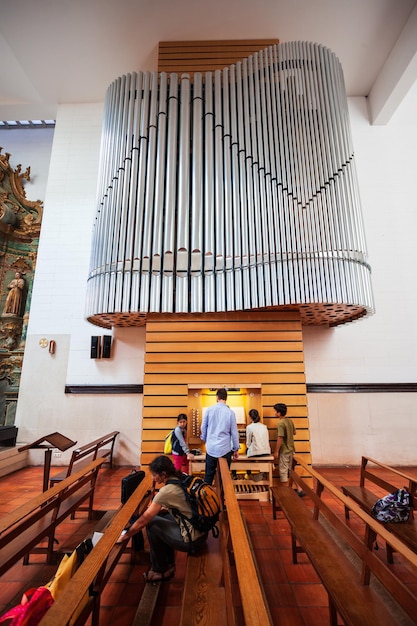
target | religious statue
x=14, y=300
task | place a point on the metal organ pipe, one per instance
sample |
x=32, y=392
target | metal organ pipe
x=229, y=191
x=208, y=206
x=240, y=141
x=231, y=133
x=170, y=198
x=197, y=194
x=229, y=208
x=158, y=224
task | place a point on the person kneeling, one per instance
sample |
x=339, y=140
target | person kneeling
x=165, y=531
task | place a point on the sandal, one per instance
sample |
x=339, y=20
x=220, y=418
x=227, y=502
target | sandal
x=156, y=577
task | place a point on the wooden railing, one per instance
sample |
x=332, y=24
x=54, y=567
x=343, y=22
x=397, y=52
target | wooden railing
x=255, y=608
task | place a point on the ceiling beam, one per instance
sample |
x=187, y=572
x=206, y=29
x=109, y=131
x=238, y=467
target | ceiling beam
x=397, y=76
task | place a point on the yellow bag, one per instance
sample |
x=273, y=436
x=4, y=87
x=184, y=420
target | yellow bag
x=66, y=569
x=168, y=443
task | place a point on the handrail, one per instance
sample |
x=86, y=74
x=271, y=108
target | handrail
x=99, y=442
x=253, y=601
x=71, y=597
x=394, y=470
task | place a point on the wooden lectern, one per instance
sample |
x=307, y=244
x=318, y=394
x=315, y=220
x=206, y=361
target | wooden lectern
x=54, y=440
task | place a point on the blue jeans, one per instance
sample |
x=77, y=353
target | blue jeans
x=211, y=466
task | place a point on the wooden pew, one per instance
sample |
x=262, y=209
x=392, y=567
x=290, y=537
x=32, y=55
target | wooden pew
x=205, y=599
x=255, y=608
x=378, y=475
x=203, y=594
x=81, y=456
x=97, y=568
x=331, y=546
x=37, y=519
x=207, y=595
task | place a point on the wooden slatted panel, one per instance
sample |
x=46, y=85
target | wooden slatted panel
x=264, y=349
x=203, y=56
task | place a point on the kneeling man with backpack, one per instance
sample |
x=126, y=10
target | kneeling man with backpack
x=179, y=518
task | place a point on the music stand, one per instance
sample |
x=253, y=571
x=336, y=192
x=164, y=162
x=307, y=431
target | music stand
x=54, y=440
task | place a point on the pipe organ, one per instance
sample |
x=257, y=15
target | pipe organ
x=232, y=190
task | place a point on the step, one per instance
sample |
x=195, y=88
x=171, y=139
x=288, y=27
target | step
x=12, y=460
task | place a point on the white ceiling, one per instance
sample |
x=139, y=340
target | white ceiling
x=69, y=51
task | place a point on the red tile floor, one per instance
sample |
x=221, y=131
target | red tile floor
x=294, y=593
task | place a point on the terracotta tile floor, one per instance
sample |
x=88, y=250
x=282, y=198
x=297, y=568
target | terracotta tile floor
x=294, y=593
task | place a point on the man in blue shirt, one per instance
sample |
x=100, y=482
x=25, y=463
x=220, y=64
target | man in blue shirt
x=219, y=431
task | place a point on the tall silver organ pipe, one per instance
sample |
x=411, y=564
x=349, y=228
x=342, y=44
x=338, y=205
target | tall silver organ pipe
x=230, y=190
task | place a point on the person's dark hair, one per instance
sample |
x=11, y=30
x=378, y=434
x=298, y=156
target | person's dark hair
x=254, y=415
x=182, y=416
x=221, y=394
x=163, y=465
x=281, y=408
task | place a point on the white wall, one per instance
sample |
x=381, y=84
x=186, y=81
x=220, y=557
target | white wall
x=57, y=310
x=382, y=348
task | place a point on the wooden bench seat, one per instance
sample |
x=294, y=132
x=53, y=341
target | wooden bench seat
x=83, y=455
x=204, y=595
x=374, y=477
x=37, y=520
x=208, y=596
x=101, y=521
x=357, y=603
x=17, y=543
x=362, y=496
x=350, y=571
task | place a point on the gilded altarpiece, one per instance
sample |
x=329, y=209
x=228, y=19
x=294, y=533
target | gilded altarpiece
x=20, y=224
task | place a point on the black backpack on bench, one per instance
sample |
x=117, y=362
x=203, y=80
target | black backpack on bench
x=129, y=484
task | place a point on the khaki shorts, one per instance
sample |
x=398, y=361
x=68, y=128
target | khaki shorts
x=284, y=466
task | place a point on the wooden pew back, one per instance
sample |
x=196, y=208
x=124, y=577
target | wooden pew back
x=83, y=455
x=97, y=567
x=397, y=477
x=23, y=529
x=255, y=608
x=371, y=564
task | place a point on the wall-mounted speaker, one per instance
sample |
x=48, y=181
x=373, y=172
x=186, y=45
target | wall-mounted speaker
x=106, y=347
x=95, y=347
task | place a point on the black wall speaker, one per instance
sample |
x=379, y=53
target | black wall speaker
x=106, y=347
x=95, y=347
